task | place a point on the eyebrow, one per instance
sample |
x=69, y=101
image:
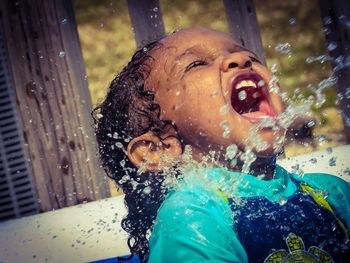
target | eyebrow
x=197, y=48
x=189, y=51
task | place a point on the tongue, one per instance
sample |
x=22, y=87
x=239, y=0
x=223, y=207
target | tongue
x=265, y=110
x=265, y=107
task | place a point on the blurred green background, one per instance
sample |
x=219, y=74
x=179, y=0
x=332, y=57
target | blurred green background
x=108, y=43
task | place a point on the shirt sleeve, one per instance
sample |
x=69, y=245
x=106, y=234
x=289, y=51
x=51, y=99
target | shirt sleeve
x=195, y=225
x=337, y=193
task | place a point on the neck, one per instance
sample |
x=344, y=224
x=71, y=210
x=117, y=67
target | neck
x=264, y=166
x=261, y=166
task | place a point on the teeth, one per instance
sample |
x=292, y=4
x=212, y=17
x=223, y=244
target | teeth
x=245, y=83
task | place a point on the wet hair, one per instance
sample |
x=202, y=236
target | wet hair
x=129, y=111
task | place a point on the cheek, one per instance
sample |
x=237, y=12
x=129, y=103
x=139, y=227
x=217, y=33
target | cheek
x=263, y=71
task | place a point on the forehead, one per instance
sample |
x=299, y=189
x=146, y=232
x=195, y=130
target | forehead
x=190, y=40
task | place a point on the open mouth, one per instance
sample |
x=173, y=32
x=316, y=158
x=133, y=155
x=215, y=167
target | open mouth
x=250, y=96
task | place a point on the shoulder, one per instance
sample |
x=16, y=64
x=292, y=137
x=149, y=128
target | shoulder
x=326, y=182
x=194, y=224
x=193, y=200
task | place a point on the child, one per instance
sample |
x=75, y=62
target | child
x=197, y=89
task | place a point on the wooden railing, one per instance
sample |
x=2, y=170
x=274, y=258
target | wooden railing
x=47, y=73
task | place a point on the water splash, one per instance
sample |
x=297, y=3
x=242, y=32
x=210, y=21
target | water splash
x=284, y=48
x=273, y=85
x=242, y=95
x=321, y=59
x=247, y=157
x=292, y=21
x=227, y=128
x=332, y=46
x=224, y=109
x=231, y=151
x=320, y=97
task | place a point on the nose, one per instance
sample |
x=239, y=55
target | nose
x=236, y=60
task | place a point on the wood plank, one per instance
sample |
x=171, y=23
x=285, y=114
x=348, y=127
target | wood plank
x=53, y=100
x=243, y=25
x=147, y=21
x=336, y=24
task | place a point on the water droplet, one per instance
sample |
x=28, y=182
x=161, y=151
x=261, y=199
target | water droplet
x=62, y=54
x=226, y=133
x=155, y=9
x=339, y=60
x=283, y=48
x=273, y=85
x=320, y=99
x=233, y=162
x=332, y=46
x=332, y=161
x=147, y=190
x=326, y=30
x=224, y=109
x=248, y=157
x=119, y=145
x=332, y=80
x=242, y=95
x=313, y=160
x=99, y=115
x=115, y=135
x=64, y=21
x=214, y=94
x=347, y=93
x=327, y=20
x=274, y=68
x=311, y=123
x=282, y=200
x=227, y=129
x=347, y=122
x=292, y=21
x=231, y=151
x=321, y=59
x=261, y=83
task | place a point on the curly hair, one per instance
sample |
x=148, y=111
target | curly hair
x=129, y=111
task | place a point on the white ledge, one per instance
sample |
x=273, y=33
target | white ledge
x=92, y=231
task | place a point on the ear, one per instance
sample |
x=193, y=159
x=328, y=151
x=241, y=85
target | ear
x=152, y=152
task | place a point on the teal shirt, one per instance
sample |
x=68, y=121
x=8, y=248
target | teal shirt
x=195, y=222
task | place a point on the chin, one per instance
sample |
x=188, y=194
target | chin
x=270, y=137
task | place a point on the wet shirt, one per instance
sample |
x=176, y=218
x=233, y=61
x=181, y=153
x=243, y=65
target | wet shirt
x=286, y=218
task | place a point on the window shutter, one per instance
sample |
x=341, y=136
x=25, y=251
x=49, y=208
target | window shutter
x=17, y=195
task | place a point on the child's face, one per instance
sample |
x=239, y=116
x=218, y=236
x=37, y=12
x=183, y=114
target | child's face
x=214, y=90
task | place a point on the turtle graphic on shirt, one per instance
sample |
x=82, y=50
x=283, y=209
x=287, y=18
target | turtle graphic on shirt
x=298, y=254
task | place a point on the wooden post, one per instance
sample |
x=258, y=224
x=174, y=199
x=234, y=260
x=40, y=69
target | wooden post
x=336, y=26
x=53, y=101
x=243, y=25
x=147, y=21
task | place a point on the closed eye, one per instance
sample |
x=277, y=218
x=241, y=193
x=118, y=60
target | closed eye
x=196, y=63
x=254, y=59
